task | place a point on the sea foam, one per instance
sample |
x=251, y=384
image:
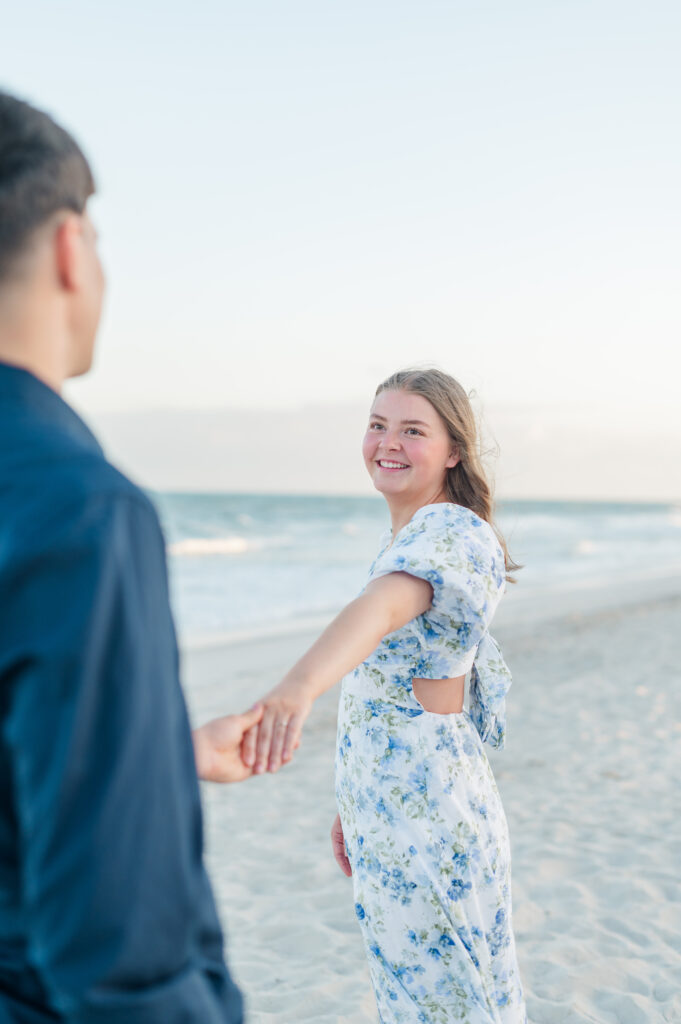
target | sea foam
x=212, y=546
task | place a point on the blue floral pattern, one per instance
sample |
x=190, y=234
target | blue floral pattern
x=424, y=826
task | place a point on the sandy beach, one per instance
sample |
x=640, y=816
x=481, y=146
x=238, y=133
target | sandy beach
x=590, y=780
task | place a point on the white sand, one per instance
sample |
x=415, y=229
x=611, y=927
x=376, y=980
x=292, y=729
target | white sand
x=591, y=784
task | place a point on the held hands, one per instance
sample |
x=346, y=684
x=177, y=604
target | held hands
x=271, y=742
x=234, y=747
x=218, y=746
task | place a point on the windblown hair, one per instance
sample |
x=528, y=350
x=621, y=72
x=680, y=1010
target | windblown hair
x=466, y=483
x=42, y=171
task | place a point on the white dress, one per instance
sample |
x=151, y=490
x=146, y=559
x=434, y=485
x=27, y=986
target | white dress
x=425, y=831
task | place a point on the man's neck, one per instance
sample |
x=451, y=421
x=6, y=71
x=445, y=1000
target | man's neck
x=43, y=369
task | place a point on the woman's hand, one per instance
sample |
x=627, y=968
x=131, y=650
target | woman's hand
x=271, y=743
x=218, y=746
x=338, y=844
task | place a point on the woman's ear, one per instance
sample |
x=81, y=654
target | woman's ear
x=454, y=458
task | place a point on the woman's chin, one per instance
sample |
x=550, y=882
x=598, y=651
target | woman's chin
x=389, y=484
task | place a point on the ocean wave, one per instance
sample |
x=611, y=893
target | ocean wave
x=586, y=546
x=212, y=546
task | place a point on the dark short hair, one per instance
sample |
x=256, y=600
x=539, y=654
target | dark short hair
x=42, y=171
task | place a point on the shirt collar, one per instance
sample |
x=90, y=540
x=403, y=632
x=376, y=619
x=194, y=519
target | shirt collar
x=23, y=388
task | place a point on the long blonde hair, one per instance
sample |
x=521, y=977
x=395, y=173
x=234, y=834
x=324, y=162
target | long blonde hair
x=466, y=483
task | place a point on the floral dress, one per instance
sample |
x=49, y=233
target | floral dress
x=424, y=827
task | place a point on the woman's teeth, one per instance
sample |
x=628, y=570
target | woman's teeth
x=391, y=465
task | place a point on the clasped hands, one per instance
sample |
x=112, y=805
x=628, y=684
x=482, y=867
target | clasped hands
x=234, y=747
x=270, y=744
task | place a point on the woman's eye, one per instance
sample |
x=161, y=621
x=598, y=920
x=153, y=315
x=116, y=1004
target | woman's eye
x=375, y=426
x=413, y=430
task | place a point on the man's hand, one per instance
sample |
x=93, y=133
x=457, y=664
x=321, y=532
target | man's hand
x=217, y=746
x=338, y=844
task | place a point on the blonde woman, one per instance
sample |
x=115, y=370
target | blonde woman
x=421, y=827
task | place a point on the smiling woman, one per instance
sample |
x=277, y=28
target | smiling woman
x=421, y=827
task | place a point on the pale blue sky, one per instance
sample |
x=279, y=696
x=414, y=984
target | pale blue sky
x=298, y=197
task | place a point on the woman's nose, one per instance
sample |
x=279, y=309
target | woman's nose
x=390, y=441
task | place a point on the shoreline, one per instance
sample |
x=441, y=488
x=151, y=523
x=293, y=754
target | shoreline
x=519, y=609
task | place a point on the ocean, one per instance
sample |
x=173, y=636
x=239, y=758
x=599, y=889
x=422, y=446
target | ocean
x=249, y=565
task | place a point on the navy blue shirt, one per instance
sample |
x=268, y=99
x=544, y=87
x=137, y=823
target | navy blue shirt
x=106, y=911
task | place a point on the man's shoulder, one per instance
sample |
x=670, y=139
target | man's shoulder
x=90, y=477
x=59, y=459
x=75, y=498
x=90, y=490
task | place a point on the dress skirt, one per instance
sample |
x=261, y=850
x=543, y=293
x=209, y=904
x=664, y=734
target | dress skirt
x=428, y=842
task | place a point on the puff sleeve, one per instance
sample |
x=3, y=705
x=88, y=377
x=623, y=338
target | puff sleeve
x=458, y=553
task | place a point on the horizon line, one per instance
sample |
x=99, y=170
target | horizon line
x=205, y=492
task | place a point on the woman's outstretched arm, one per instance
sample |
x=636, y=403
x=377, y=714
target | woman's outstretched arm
x=385, y=605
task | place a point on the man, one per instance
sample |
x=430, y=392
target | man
x=106, y=912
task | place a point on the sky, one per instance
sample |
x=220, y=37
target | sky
x=297, y=198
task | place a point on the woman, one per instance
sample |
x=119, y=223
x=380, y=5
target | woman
x=419, y=811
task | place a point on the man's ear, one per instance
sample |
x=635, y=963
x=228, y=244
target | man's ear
x=68, y=251
x=454, y=458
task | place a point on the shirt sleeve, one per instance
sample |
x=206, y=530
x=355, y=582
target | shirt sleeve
x=120, y=917
x=460, y=557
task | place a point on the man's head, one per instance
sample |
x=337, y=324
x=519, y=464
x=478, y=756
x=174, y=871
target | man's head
x=51, y=280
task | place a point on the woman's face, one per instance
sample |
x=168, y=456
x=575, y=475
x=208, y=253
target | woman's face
x=406, y=448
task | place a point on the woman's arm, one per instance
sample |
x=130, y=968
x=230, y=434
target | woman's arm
x=386, y=604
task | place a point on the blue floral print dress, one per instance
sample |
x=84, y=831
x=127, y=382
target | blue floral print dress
x=424, y=827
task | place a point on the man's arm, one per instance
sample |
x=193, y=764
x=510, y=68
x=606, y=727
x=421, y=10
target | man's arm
x=121, y=921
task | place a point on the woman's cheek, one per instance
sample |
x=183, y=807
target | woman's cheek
x=368, y=447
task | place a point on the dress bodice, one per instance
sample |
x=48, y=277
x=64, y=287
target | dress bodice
x=458, y=553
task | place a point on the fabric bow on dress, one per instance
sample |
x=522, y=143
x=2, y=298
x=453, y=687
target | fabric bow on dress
x=490, y=682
